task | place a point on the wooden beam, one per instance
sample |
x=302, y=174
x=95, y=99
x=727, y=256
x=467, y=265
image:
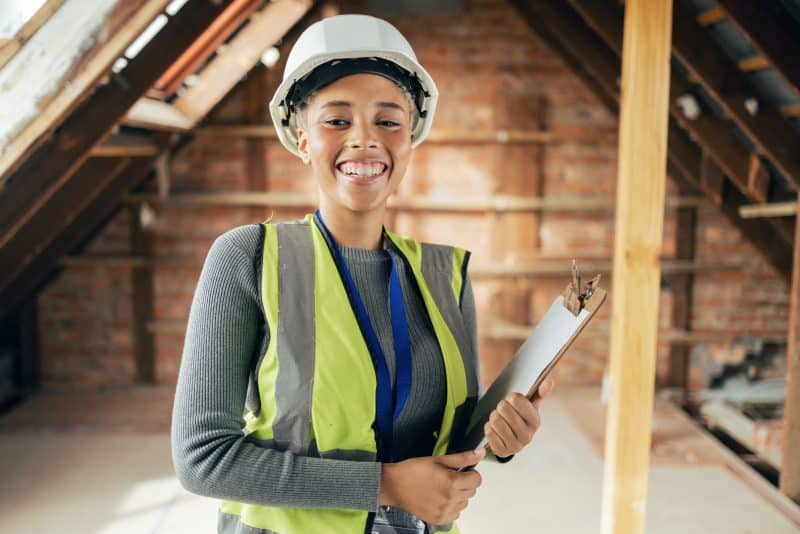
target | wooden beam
x=59, y=71
x=790, y=472
x=204, y=46
x=682, y=289
x=713, y=133
x=29, y=188
x=719, y=75
x=758, y=178
x=712, y=16
x=233, y=62
x=771, y=32
x=125, y=146
x=637, y=243
x=497, y=203
x=156, y=115
x=774, y=209
x=8, y=47
x=43, y=266
x=753, y=64
x=143, y=296
x=56, y=214
x=30, y=363
x=594, y=61
x=791, y=110
x=712, y=180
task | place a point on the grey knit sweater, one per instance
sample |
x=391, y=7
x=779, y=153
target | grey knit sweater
x=225, y=336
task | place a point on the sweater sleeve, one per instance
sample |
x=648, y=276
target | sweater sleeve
x=211, y=455
x=470, y=321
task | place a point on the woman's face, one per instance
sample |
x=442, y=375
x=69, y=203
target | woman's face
x=357, y=138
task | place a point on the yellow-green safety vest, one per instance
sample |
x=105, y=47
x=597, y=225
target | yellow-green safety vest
x=316, y=346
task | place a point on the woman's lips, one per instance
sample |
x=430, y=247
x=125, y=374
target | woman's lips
x=362, y=172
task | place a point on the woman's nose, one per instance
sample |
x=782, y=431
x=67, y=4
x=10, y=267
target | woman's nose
x=362, y=136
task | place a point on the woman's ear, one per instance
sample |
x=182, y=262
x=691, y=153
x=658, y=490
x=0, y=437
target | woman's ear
x=302, y=146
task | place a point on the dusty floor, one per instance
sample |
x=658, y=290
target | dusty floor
x=99, y=463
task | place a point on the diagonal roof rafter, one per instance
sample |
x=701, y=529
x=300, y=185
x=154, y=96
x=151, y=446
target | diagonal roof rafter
x=578, y=43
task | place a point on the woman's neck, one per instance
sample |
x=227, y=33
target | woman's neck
x=352, y=229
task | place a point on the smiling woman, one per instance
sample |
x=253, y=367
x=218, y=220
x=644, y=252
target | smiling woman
x=350, y=349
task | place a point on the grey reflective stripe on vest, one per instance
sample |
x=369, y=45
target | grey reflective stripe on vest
x=295, y=338
x=437, y=269
x=439, y=528
x=232, y=524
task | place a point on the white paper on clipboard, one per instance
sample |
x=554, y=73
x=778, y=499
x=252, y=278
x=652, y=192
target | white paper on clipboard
x=533, y=361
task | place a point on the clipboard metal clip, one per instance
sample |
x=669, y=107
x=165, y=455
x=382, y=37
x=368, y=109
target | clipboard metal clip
x=577, y=294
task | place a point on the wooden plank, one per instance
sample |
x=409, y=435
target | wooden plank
x=55, y=162
x=125, y=146
x=59, y=70
x=143, y=296
x=591, y=57
x=8, y=47
x=43, y=266
x=712, y=16
x=30, y=365
x=204, y=46
x=719, y=75
x=681, y=288
x=497, y=203
x=790, y=473
x=644, y=106
x=758, y=178
x=769, y=31
x=773, y=209
x=792, y=110
x=743, y=429
x=38, y=19
x=157, y=115
x=713, y=133
x=752, y=64
x=712, y=180
x=57, y=213
x=240, y=55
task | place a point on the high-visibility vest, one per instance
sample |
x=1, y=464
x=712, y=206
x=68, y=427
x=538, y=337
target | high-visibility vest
x=316, y=347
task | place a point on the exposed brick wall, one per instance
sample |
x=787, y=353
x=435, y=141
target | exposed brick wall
x=493, y=73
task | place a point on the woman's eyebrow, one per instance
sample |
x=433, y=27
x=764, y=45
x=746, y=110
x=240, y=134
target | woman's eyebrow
x=335, y=103
x=390, y=105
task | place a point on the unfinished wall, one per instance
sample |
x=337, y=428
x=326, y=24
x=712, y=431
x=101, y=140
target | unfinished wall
x=494, y=74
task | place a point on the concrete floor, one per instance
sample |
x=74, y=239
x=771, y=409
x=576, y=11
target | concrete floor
x=112, y=474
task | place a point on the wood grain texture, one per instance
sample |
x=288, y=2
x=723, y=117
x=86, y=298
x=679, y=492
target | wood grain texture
x=644, y=119
x=790, y=471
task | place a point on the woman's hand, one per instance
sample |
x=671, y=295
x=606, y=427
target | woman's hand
x=516, y=419
x=430, y=487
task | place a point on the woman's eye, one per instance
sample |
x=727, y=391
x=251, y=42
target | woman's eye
x=337, y=122
x=388, y=123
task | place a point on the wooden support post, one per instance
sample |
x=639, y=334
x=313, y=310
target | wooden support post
x=757, y=179
x=681, y=287
x=30, y=366
x=143, y=295
x=790, y=471
x=256, y=153
x=637, y=244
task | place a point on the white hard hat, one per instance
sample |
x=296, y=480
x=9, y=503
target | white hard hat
x=350, y=44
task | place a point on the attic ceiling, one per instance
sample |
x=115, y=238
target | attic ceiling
x=69, y=156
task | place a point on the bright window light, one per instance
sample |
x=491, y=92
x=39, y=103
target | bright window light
x=175, y=6
x=146, y=36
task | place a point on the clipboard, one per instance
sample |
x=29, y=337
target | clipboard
x=569, y=314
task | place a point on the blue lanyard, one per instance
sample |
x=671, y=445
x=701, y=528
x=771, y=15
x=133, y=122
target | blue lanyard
x=388, y=403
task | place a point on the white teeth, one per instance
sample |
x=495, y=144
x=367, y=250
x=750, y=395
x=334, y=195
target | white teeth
x=362, y=169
